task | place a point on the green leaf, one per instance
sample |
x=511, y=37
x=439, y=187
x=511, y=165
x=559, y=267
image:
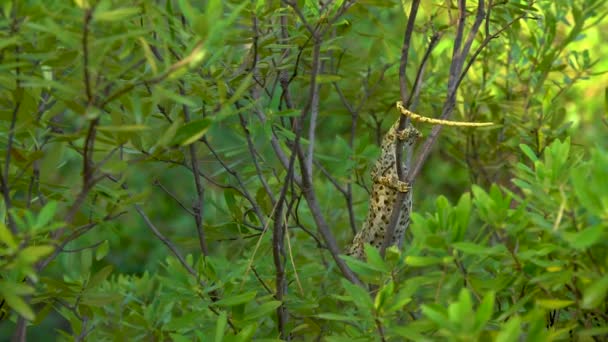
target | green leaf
x=123, y=128
x=34, y=253
x=462, y=310
x=335, y=317
x=262, y=310
x=214, y=9
x=408, y=332
x=117, y=14
x=510, y=331
x=485, y=310
x=399, y=301
x=236, y=300
x=374, y=258
x=360, y=297
x=362, y=268
x=191, y=132
x=11, y=292
x=384, y=295
x=99, y=277
x=102, y=250
x=586, y=238
x=435, y=314
x=7, y=237
x=46, y=214
x=173, y=96
x=553, y=304
x=422, y=261
x=325, y=78
x=220, y=326
x=594, y=295
x=246, y=333
x=169, y=133
x=528, y=152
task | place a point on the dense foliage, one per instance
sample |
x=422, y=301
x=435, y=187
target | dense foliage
x=191, y=170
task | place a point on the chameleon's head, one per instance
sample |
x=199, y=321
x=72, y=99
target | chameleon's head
x=409, y=135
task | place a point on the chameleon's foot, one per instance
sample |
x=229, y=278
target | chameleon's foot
x=402, y=186
x=394, y=183
x=408, y=134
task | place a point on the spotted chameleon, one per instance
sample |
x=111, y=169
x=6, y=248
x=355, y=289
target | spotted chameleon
x=386, y=185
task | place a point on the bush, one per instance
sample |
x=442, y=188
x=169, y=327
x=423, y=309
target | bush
x=177, y=170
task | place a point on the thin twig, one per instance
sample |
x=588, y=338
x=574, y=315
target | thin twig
x=168, y=243
x=200, y=190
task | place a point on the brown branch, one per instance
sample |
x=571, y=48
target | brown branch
x=4, y=175
x=254, y=153
x=403, y=123
x=314, y=103
x=163, y=188
x=278, y=252
x=78, y=232
x=243, y=188
x=200, y=190
x=88, y=16
x=168, y=244
x=455, y=79
x=322, y=226
x=405, y=49
x=305, y=170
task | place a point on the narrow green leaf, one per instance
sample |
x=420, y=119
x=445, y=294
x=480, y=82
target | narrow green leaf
x=46, y=214
x=382, y=297
x=117, y=14
x=510, y=331
x=236, y=300
x=484, y=311
x=422, y=261
x=220, y=326
x=434, y=314
x=360, y=296
x=328, y=78
x=262, y=310
x=191, y=132
x=336, y=317
x=374, y=258
x=100, y=276
x=246, y=333
x=553, y=304
x=11, y=292
x=594, y=294
x=528, y=152
x=34, y=253
x=102, y=250
x=586, y=237
x=6, y=236
x=123, y=128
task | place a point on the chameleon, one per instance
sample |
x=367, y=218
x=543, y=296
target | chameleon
x=386, y=185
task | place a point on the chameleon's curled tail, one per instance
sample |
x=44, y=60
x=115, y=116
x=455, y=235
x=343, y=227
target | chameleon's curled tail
x=420, y=118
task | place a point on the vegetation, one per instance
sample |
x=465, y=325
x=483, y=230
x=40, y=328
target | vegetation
x=192, y=170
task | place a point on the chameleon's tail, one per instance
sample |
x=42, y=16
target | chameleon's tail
x=420, y=118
